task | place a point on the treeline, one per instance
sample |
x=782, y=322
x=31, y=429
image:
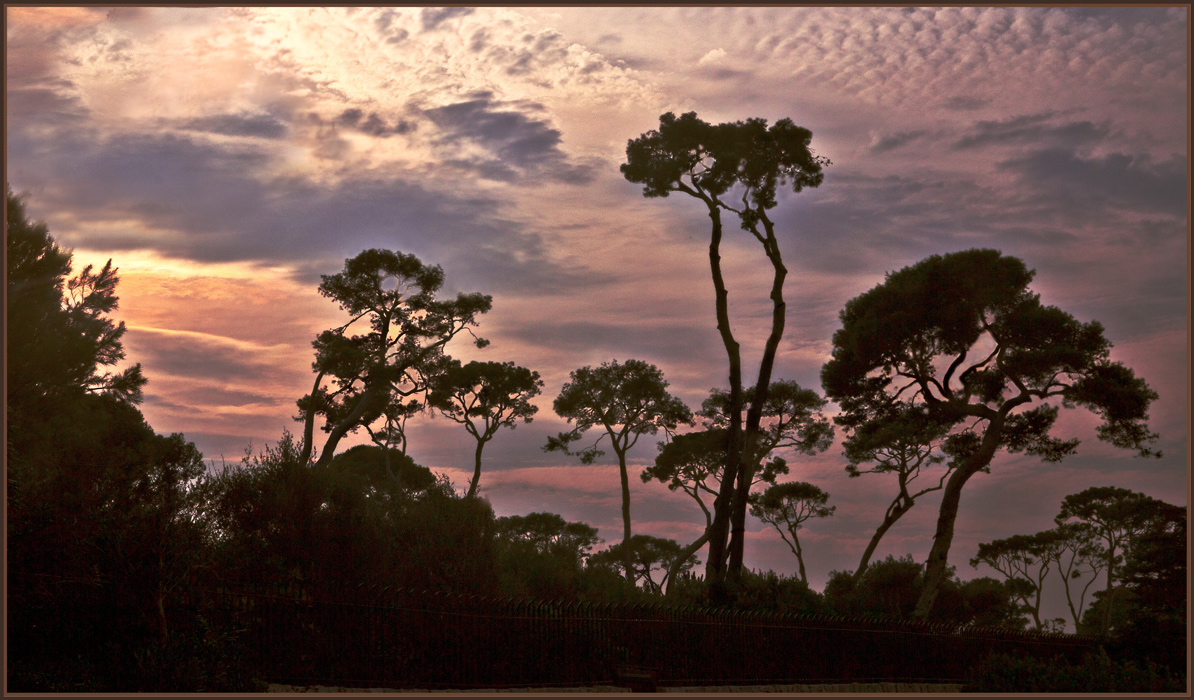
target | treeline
x=936, y=370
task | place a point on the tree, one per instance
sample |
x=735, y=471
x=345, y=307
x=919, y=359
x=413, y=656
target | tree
x=791, y=419
x=903, y=343
x=786, y=506
x=748, y=161
x=1117, y=516
x=627, y=400
x=692, y=461
x=548, y=533
x=1025, y=561
x=542, y=555
x=1077, y=554
x=1154, y=573
x=374, y=373
x=643, y=555
x=59, y=333
x=901, y=444
x=485, y=396
x=374, y=468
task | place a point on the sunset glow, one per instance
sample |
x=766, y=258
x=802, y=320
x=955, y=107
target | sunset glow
x=225, y=158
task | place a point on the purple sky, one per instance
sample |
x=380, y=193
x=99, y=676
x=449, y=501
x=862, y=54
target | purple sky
x=225, y=158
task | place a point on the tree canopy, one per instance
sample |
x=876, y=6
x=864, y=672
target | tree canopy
x=485, y=396
x=60, y=335
x=374, y=373
x=963, y=339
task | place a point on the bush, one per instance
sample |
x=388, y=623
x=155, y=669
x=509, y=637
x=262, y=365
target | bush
x=1098, y=673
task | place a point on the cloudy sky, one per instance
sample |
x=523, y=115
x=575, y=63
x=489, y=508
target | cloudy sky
x=225, y=158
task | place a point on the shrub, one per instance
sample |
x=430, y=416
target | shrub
x=1098, y=673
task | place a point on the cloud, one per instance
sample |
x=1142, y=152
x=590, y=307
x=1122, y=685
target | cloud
x=254, y=125
x=201, y=355
x=892, y=141
x=1114, y=181
x=509, y=131
x=714, y=56
x=1034, y=129
x=433, y=17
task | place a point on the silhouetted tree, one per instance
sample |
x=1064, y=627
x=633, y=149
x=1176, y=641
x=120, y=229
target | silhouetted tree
x=1116, y=516
x=1154, y=574
x=786, y=507
x=541, y=555
x=627, y=400
x=905, y=341
x=1025, y=561
x=395, y=294
x=746, y=161
x=485, y=396
x=641, y=556
x=902, y=445
x=59, y=335
x=688, y=462
x=1077, y=555
x=370, y=464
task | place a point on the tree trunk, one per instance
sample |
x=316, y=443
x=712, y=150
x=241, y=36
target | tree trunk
x=309, y=425
x=939, y=554
x=341, y=429
x=799, y=557
x=690, y=550
x=718, y=532
x=472, y=489
x=890, y=519
x=626, y=560
x=755, y=414
x=1106, y=625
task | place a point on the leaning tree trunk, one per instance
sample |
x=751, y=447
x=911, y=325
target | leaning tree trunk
x=894, y=513
x=472, y=489
x=341, y=428
x=935, y=568
x=718, y=531
x=674, y=570
x=755, y=414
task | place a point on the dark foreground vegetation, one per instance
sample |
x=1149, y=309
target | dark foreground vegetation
x=133, y=566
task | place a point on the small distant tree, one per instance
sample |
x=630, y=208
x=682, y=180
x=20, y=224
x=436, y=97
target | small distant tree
x=628, y=401
x=962, y=338
x=1116, y=516
x=642, y=557
x=548, y=533
x=1079, y=558
x=483, y=397
x=1025, y=561
x=786, y=507
x=542, y=555
x=746, y=161
x=372, y=373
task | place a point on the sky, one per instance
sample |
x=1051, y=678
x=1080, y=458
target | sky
x=225, y=158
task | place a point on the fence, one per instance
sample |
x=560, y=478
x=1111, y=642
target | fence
x=373, y=637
